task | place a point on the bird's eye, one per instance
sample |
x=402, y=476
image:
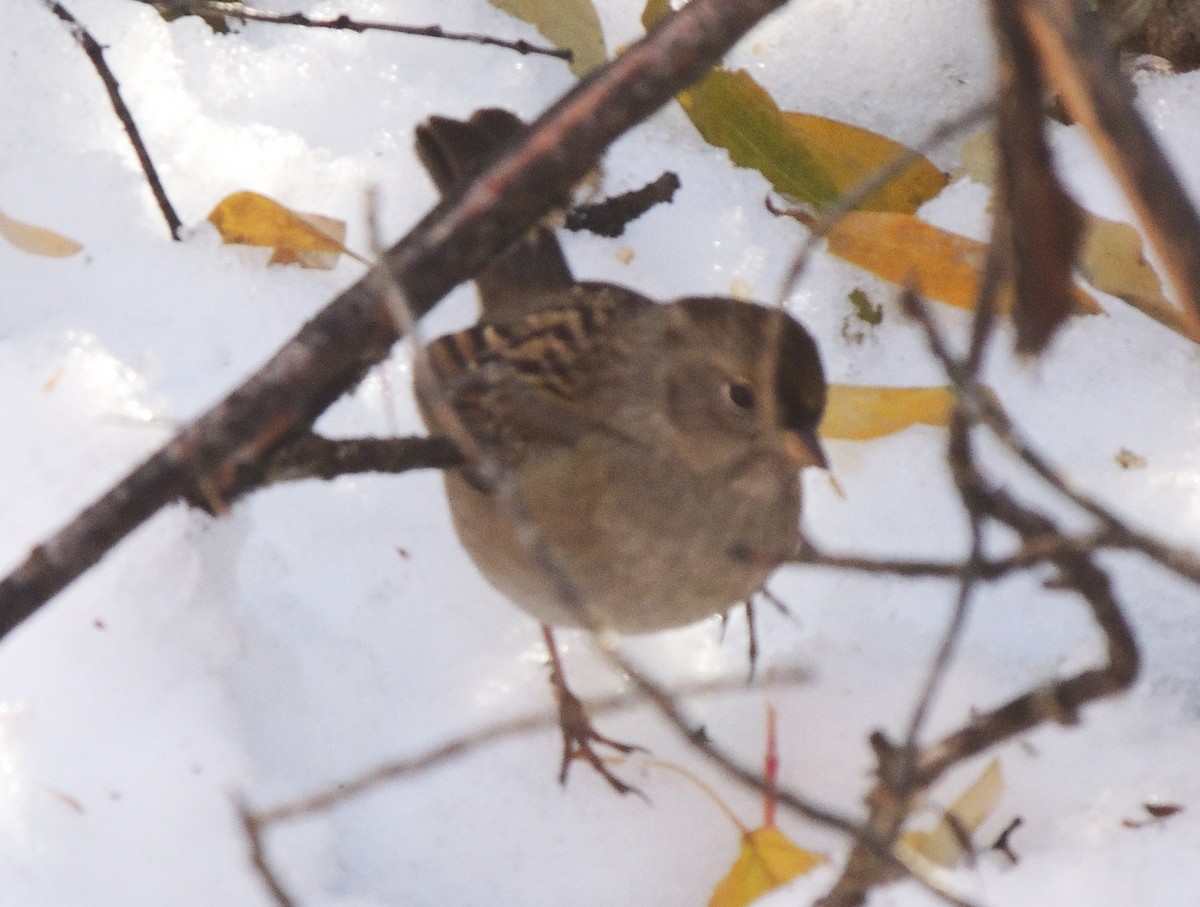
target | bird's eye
x=741, y=395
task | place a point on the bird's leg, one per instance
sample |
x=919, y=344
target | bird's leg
x=579, y=735
x=752, y=639
x=752, y=625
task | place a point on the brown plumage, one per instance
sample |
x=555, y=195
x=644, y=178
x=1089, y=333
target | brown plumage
x=640, y=460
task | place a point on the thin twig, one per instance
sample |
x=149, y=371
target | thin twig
x=236, y=10
x=480, y=738
x=95, y=53
x=1032, y=553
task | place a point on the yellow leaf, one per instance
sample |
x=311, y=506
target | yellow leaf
x=810, y=158
x=979, y=158
x=944, y=266
x=567, y=24
x=767, y=859
x=311, y=240
x=36, y=240
x=850, y=154
x=863, y=412
x=317, y=259
x=945, y=844
x=1111, y=258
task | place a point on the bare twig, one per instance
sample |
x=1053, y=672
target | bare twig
x=252, y=825
x=465, y=744
x=234, y=9
x=903, y=771
x=1032, y=553
x=95, y=53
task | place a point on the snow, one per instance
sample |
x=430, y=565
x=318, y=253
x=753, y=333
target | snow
x=320, y=629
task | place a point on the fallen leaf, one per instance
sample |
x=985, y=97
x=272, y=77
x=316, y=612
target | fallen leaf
x=316, y=259
x=766, y=860
x=861, y=412
x=944, y=266
x=1127, y=459
x=812, y=159
x=310, y=240
x=1111, y=255
x=978, y=157
x=37, y=240
x=567, y=24
x=946, y=843
x=1112, y=259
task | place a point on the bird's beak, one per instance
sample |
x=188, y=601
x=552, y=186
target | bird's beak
x=804, y=449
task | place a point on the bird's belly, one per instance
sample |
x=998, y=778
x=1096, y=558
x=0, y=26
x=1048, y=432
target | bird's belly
x=650, y=558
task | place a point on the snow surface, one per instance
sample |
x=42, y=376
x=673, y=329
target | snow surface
x=322, y=628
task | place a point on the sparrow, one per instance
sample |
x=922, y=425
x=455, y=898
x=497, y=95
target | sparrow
x=633, y=465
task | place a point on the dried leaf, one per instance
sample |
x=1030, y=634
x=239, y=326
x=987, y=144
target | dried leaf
x=1127, y=459
x=37, y=240
x=1112, y=259
x=1111, y=255
x=767, y=859
x=978, y=157
x=567, y=24
x=946, y=844
x=861, y=412
x=316, y=259
x=944, y=266
x=310, y=240
x=810, y=158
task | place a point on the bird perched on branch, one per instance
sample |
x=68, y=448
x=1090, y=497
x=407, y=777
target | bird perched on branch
x=633, y=465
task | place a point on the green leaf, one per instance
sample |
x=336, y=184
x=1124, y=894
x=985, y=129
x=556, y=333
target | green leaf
x=567, y=24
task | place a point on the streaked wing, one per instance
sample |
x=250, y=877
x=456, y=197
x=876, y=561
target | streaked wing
x=528, y=382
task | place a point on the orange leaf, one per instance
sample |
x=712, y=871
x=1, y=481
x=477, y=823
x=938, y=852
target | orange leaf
x=36, y=240
x=767, y=859
x=863, y=412
x=310, y=240
x=945, y=266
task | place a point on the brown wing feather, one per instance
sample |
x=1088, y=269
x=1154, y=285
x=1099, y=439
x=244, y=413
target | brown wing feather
x=521, y=383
